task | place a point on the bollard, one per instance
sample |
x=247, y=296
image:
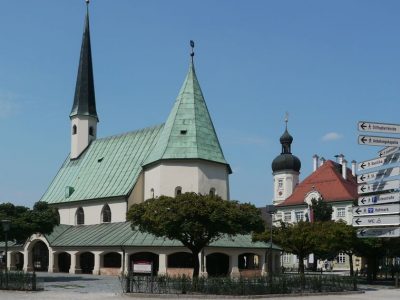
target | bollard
x=396, y=280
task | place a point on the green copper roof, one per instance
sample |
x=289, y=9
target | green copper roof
x=84, y=100
x=108, y=168
x=189, y=132
x=121, y=234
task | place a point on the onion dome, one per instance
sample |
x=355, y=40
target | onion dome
x=286, y=160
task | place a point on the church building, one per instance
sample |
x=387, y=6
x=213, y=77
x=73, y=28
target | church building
x=331, y=181
x=103, y=177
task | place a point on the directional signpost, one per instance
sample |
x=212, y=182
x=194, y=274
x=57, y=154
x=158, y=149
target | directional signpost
x=366, y=177
x=378, y=186
x=387, y=220
x=379, y=162
x=387, y=151
x=379, y=198
x=379, y=232
x=370, y=140
x=370, y=210
x=378, y=127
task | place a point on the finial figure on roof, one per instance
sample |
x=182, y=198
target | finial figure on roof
x=87, y=2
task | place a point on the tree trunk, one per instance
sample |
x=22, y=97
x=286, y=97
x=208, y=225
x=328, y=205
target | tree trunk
x=351, y=264
x=196, y=264
x=301, y=264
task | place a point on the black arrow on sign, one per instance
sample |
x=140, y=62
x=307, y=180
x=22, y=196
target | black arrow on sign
x=363, y=126
x=363, y=165
x=358, y=221
x=358, y=210
x=363, y=188
x=363, y=200
x=362, y=177
x=363, y=139
x=362, y=232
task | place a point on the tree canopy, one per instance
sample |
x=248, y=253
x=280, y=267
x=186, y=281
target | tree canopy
x=195, y=220
x=26, y=221
x=322, y=211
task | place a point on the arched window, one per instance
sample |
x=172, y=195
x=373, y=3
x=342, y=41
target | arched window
x=74, y=129
x=106, y=214
x=178, y=191
x=212, y=192
x=80, y=216
x=91, y=131
x=152, y=193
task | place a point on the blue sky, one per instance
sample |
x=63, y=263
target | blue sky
x=328, y=63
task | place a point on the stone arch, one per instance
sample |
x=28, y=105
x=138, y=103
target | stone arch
x=86, y=262
x=249, y=261
x=112, y=260
x=217, y=264
x=64, y=262
x=16, y=260
x=36, y=246
x=146, y=258
x=180, y=260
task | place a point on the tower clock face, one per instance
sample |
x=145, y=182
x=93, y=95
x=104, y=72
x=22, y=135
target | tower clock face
x=280, y=193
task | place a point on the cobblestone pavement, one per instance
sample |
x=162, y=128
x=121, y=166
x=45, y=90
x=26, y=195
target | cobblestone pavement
x=88, y=287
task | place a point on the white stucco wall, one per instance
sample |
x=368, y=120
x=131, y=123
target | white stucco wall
x=192, y=176
x=82, y=139
x=92, y=211
x=289, y=179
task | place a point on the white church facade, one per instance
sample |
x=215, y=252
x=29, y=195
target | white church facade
x=102, y=177
x=331, y=181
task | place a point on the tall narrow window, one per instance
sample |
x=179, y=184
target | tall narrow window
x=106, y=214
x=80, y=216
x=74, y=129
x=212, y=192
x=91, y=131
x=178, y=191
x=152, y=193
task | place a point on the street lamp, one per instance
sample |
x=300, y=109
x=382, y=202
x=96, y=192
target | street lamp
x=271, y=209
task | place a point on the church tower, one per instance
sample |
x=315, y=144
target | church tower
x=83, y=114
x=285, y=169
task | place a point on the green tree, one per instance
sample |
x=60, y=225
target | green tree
x=322, y=210
x=298, y=238
x=195, y=220
x=25, y=221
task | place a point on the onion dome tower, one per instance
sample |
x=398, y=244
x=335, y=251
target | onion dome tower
x=285, y=169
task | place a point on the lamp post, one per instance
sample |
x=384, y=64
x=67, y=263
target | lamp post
x=271, y=209
x=6, y=229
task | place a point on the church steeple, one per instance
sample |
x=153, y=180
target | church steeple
x=188, y=132
x=83, y=114
x=84, y=100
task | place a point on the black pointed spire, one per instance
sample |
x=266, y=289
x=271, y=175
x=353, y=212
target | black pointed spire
x=84, y=100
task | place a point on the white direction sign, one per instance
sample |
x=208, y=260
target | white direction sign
x=385, y=220
x=378, y=232
x=378, y=186
x=379, y=199
x=385, y=209
x=370, y=140
x=387, y=151
x=381, y=174
x=378, y=162
x=378, y=127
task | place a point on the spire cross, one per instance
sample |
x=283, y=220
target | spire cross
x=286, y=118
x=192, y=50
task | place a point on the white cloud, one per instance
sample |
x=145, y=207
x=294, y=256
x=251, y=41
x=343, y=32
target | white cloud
x=332, y=136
